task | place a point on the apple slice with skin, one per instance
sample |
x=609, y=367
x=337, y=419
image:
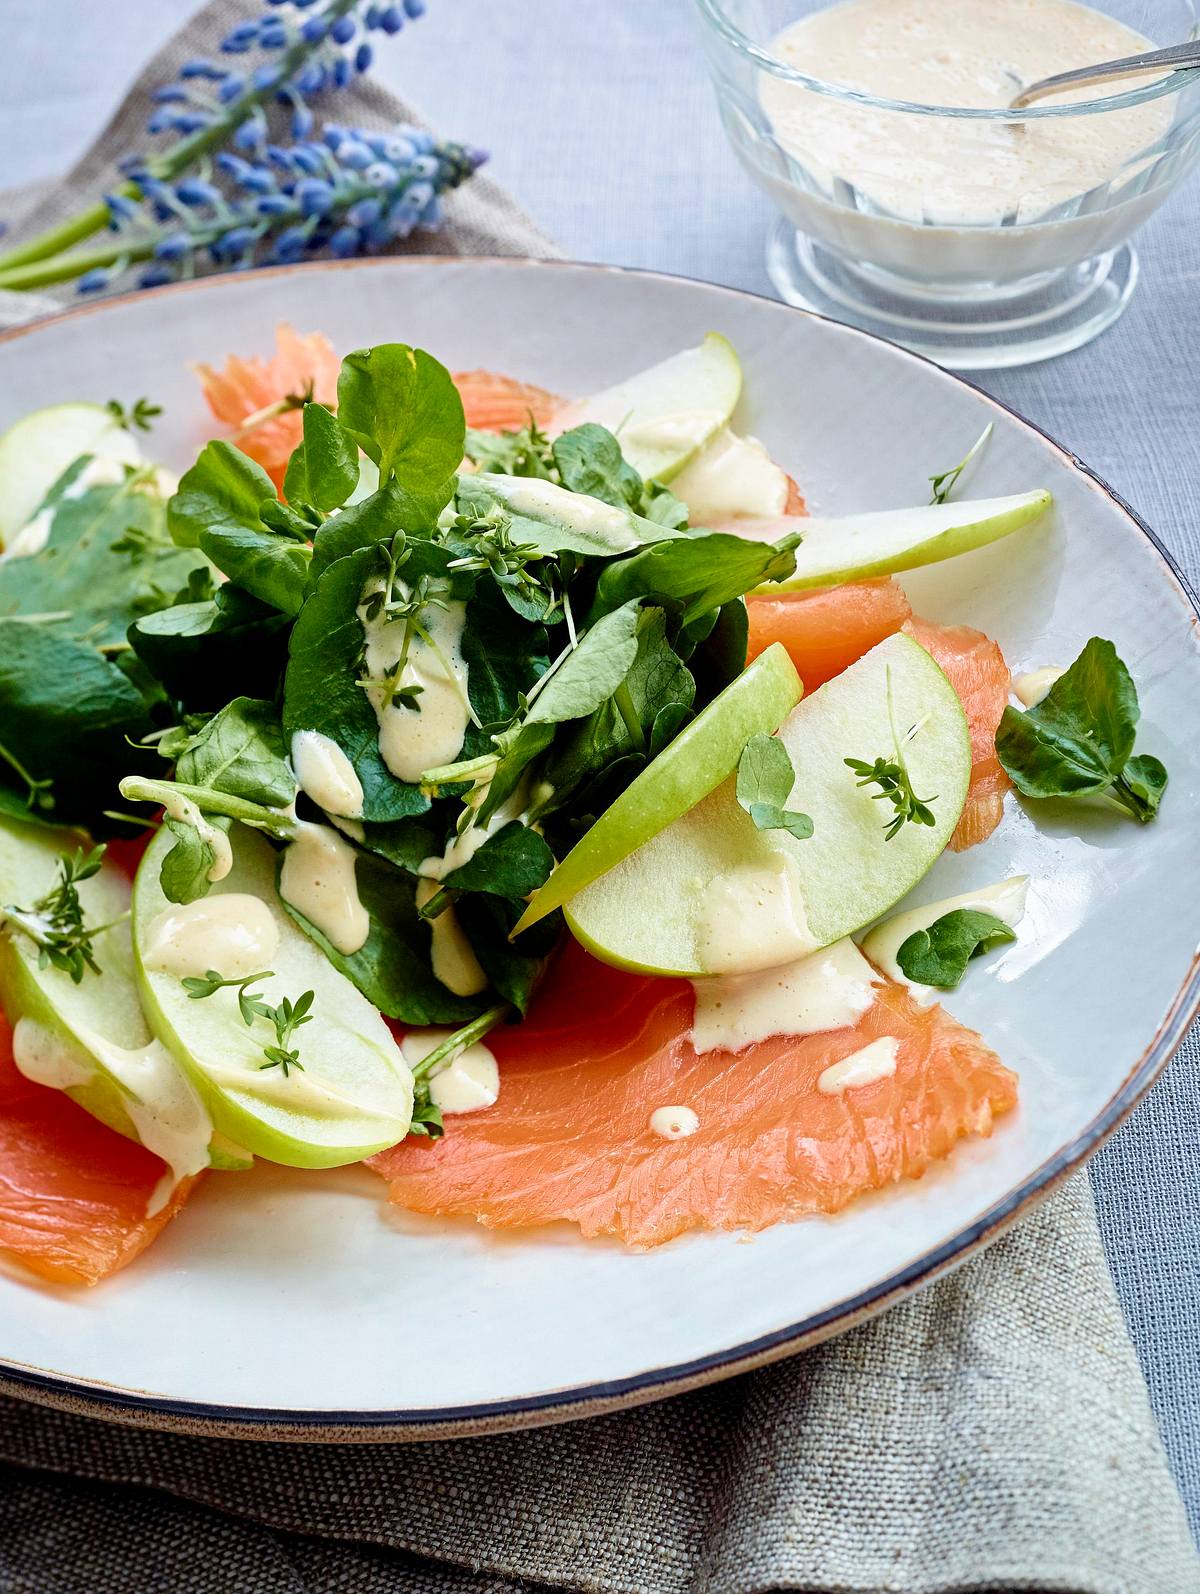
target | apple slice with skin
x=91, y=1039
x=352, y=1095
x=36, y=450
x=665, y=415
x=711, y=894
x=690, y=767
x=855, y=547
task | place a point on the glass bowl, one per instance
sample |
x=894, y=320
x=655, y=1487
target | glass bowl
x=980, y=237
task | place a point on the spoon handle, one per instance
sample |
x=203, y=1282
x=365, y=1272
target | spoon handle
x=1175, y=58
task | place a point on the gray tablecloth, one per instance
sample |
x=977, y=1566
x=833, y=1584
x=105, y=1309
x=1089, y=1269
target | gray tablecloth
x=619, y=155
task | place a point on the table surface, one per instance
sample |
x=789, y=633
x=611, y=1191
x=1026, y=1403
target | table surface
x=619, y=155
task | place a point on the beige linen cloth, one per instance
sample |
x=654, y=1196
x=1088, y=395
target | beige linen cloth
x=990, y=1433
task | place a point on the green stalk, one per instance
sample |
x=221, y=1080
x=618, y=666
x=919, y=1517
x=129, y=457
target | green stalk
x=624, y=701
x=282, y=826
x=461, y=1039
x=41, y=273
x=166, y=167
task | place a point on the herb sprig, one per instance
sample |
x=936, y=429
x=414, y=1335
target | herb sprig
x=286, y=1017
x=138, y=416
x=945, y=484
x=55, y=922
x=893, y=779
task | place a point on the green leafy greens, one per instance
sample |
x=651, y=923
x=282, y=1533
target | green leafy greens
x=939, y=955
x=765, y=778
x=1078, y=741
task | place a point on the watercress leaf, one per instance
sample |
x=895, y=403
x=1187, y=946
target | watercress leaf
x=668, y=723
x=391, y=509
x=764, y=772
x=589, y=460
x=241, y=751
x=270, y=567
x=287, y=520
x=401, y=407
x=512, y=862
x=405, y=842
x=593, y=671
x=765, y=778
x=699, y=572
x=721, y=657
x=1078, y=739
x=184, y=875
x=513, y=968
x=392, y=968
x=595, y=749
x=321, y=690
x=503, y=657
x=554, y=520
x=205, y=653
x=66, y=715
x=223, y=488
x=1141, y=785
x=106, y=559
x=939, y=955
x=323, y=471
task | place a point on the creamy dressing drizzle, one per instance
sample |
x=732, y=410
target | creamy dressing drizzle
x=542, y=500
x=729, y=478
x=232, y=932
x=829, y=989
x=673, y=1123
x=325, y=774
x=35, y=534
x=414, y=740
x=185, y=811
x=467, y=1081
x=1005, y=899
x=48, y=1058
x=318, y=879
x=450, y=953
x=752, y=918
x=876, y=1060
x=1031, y=688
x=164, y=1109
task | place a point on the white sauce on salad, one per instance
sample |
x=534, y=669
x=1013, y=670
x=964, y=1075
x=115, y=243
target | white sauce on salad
x=1031, y=688
x=451, y=955
x=185, y=811
x=325, y=774
x=348, y=827
x=876, y=1060
x=829, y=989
x=731, y=477
x=35, y=534
x=412, y=740
x=164, y=1108
x=673, y=1123
x=318, y=879
x=1005, y=899
x=752, y=918
x=232, y=932
x=469, y=1079
x=49, y=1058
x=542, y=500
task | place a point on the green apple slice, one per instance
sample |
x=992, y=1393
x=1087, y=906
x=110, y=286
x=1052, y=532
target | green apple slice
x=857, y=546
x=711, y=894
x=351, y=1097
x=696, y=762
x=665, y=415
x=90, y=1039
x=36, y=450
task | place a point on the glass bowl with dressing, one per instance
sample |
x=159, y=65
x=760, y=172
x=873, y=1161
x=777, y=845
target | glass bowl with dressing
x=915, y=203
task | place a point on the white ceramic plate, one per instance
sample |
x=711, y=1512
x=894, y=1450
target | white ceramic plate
x=298, y=1303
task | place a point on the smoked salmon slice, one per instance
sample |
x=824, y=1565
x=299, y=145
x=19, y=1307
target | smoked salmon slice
x=569, y=1139
x=978, y=673
x=244, y=387
x=827, y=629
x=494, y=403
x=73, y=1194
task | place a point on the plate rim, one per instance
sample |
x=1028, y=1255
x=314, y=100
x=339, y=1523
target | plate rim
x=138, y=1408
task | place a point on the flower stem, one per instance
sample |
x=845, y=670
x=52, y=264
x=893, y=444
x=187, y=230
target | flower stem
x=39, y=273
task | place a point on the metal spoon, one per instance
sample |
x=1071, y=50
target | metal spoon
x=1176, y=58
